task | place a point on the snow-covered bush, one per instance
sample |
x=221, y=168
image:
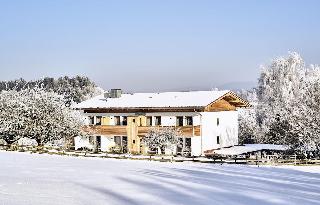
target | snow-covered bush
x=37, y=114
x=162, y=138
x=3, y=142
x=24, y=141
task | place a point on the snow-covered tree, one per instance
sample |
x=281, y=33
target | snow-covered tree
x=37, y=114
x=287, y=111
x=162, y=138
x=248, y=126
x=249, y=129
x=308, y=115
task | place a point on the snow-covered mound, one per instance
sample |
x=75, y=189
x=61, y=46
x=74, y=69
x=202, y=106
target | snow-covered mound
x=237, y=150
x=3, y=142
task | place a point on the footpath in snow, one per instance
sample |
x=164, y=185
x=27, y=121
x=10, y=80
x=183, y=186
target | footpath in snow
x=29, y=179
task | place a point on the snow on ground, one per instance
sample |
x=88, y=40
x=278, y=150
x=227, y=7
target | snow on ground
x=304, y=168
x=242, y=149
x=29, y=179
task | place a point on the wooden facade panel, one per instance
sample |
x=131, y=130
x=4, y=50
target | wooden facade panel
x=220, y=105
x=235, y=100
x=132, y=133
x=197, y=130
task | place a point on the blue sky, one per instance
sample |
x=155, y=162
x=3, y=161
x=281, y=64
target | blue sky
x=154, y=45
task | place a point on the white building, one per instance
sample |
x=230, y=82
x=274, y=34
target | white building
x=208, y=120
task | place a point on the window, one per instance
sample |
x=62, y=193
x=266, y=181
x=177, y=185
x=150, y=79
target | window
x=218, y=139
x=117, y=140
x=179, y=121
x=133, y=120
x=189, y=120
x=121, y=140
x=157, y=120
x=117, y=120
x=91, y=120
x=98, y=138
x=180, y=145
x=149, y=121
x=125, y=143
x=124, y=121
x=184, y=146
x=188, y=143
x=98, y=120
x=124, y=140
x=218, y=121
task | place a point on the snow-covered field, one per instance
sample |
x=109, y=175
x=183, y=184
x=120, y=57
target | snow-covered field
x=31, y=179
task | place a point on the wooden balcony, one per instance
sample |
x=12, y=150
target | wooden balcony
x=189, y=131
x=106, y=129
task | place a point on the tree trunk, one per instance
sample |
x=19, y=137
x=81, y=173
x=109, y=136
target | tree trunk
x=39, y=142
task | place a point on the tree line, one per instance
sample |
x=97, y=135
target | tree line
x=73, y=89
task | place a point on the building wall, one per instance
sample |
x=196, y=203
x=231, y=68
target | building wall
x=196, y=146
x=227, y=130
x=82, y=142
x=106, y=143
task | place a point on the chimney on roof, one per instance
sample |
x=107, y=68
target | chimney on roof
x=113, y=93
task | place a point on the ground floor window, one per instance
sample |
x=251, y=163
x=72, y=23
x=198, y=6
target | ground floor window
x=117, y=140
x=121, y=142
x=95, y=141
x=184, y=148
x=188, y=143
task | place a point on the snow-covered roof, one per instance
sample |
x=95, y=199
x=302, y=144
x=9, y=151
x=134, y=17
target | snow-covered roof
x=236, y=150
x=158, y=100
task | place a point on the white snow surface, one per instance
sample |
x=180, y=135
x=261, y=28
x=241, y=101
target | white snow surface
x=145, y=100
x=29, y=179
x=236, y=150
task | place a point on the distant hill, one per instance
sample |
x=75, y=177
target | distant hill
x=237, y=86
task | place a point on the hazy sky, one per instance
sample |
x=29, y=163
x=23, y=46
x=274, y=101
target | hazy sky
x=154, y=45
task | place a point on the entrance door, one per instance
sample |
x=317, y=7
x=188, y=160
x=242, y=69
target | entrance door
x=125, y=144
x=98, y=143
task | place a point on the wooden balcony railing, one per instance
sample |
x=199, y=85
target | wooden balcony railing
x=106, y=129
x=141, y=130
